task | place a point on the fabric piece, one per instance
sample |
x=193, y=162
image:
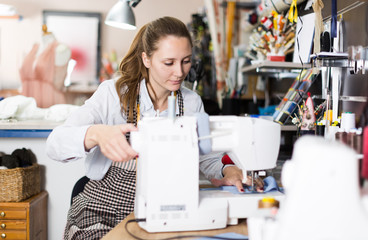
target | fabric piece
x=20, y=107
x=333, y=29
x=270, y=185
x=25, y=108
x=217, y=25
x=318, y=25
x=230, y=235
x=41, y=78
x=227, y=160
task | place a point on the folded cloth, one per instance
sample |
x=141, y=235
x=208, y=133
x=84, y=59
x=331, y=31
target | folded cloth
x=25, y=108
x=20, y=107
x=270, y=184
x=59, y=112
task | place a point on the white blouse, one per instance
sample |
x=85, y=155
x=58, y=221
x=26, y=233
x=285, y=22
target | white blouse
x=66, y=142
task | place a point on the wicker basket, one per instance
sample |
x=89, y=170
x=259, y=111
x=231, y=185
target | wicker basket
x=19, y=183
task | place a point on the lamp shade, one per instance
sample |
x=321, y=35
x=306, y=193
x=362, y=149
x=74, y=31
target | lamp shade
x=121, y=16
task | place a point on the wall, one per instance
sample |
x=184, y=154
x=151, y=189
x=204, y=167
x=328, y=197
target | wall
x=17, y=37
x=58, y=180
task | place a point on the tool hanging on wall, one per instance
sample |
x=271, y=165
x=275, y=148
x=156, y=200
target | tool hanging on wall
x=333, y=19
x=293, y=12
x=318, y=24
x=229, y=35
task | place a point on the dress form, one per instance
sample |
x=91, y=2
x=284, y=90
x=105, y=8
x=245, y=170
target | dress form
x=44, y=70
x=62, y=56
x=62, y=51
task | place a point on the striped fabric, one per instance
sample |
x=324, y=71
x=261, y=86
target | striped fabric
x=105, y=203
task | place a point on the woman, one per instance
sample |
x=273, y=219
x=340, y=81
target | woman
x=156, y=64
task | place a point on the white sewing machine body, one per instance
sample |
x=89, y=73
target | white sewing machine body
x=167, y=189
x=323, y=197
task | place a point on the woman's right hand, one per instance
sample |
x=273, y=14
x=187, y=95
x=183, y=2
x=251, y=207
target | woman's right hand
x=111, y=140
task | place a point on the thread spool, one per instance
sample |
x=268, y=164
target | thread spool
x=268, y=202
x=358, y=143
x=328, y=115
x=320, y=130
x=295, y=97
x=295, y=85
x=347, y=121
x=281, y=105
x=290, y=107
x=304, y=86
x=281, y=117
x=342, y=136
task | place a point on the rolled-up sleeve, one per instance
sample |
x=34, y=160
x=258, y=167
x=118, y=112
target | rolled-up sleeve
x=66, y=142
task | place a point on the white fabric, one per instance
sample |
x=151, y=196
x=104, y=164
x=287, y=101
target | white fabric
x=25, y=108
x=66, y=142
x=7, y=10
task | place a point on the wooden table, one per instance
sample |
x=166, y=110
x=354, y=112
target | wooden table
x=119, y=232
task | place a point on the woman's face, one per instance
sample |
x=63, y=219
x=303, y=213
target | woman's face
x=169, y=64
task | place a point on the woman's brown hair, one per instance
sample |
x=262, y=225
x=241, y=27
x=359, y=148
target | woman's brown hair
x=131, y=67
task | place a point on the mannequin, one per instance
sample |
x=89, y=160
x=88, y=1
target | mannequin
x=44, y=70
x=62, y=55
x=62, y=51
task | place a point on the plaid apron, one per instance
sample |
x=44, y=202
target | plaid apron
x=105, y=203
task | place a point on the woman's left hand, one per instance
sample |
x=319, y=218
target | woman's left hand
x=233, y=176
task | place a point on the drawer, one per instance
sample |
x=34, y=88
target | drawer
x=13, y=225
x=16, y=213
x=14, y=235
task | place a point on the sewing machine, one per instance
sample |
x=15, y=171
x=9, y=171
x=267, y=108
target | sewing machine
x=323, y=197
x=167, y=189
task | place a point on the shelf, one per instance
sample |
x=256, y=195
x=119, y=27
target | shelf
x=353, y=98
x=344, y=98
x=11, y=124
x=274, y=68
x=16, y=17
x=288, y=128
x=13, y=128
x=82, y=89
x=330, y=59
x=326, y=62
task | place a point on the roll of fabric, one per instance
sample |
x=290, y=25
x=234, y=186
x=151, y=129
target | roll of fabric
x=365, y=154
x=347, y=121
